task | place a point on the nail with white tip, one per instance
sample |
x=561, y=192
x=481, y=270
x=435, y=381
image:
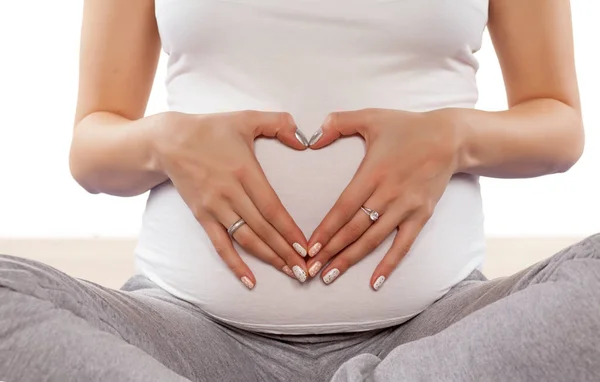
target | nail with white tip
x=299, y=273
x=331, y=275
x=379, y=282
x=300, y=249
x=301, y=137
x=315, y=137
x=247, y=282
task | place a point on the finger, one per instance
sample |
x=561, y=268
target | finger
x=406, y=236
x=244, y=207
x=348, y=234
x=367, y=243
x=340, y=124
x=262, y=195
x=360, y=188
x=246, y=238
x=224, y=248
x=278, y=125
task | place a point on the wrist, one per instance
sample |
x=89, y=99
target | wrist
x=167, y=136
x=459, y=135
x=159, y=139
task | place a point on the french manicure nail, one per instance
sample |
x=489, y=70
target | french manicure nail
x=314, y=250
x=300, y=249
x=288, y=271
x=301, y=137
x=314, y=269
x=315, y=137
x=299, y=273
x=379, y=282
x=331, y=275
x=247, y=282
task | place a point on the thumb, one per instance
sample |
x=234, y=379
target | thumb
x=337, y=125
x=281, y=126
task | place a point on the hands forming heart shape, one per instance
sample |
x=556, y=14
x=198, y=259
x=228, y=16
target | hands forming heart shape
x=409, y=161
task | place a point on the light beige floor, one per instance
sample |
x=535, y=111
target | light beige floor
x=110, y=262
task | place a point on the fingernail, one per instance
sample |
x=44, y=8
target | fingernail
x=300, y=249
x=301, y=137
x=314, y=250
x=315, y=137
x=288, y=271
x=314, y=269
x=247, y=282
x=331, y=275
x=379, y=282
x=299, y=273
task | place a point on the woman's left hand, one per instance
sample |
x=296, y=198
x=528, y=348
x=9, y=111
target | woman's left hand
x=409, y=161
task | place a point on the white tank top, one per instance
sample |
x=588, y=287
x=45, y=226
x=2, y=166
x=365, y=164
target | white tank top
x=309, y=58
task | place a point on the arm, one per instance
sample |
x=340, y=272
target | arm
x=112, y=146
x=406, y=169
x=209, y=158
x=542, y=132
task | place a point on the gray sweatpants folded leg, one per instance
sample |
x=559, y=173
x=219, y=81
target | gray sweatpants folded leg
x=542, y=324
x=56, y=328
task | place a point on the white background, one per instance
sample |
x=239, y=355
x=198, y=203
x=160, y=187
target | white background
x=38, y=87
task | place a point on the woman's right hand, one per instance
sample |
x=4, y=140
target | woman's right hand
x=210, y=161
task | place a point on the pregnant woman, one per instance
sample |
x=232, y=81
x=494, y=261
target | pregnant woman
x=314, y=210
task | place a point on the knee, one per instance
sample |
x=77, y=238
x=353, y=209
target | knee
x=574, y=276
x=579, y=263
x=573, y=295
x=30, y=277
x=15, y=272
x=588, y=247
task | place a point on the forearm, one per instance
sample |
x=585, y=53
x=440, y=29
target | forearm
x=114, y=155
x=534, y=138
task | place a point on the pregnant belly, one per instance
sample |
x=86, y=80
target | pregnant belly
x=174, y=252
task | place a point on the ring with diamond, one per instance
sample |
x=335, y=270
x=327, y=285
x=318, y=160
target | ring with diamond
x=373, y=215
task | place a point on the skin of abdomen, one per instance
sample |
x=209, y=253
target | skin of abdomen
x=175, y=252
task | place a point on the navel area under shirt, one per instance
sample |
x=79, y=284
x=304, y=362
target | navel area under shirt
x=310, y=58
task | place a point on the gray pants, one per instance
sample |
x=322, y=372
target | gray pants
x=541, y=324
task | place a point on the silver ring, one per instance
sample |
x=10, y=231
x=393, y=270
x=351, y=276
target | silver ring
x=373, y=215
x=235, y=226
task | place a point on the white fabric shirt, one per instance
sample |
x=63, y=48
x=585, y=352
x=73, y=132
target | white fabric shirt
x=310, y=58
